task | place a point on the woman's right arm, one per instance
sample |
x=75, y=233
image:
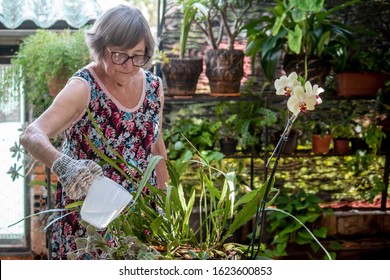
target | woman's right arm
x=65, y=109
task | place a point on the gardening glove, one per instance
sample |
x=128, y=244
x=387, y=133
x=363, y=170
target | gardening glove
x=76, y=176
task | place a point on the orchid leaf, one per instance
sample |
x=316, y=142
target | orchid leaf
x=37, y=214
x=108, y=160
x=74, y=204
x=156, y=224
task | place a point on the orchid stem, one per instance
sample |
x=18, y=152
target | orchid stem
x=260, y=211
x=282, y=139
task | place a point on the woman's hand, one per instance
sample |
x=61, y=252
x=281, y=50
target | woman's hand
x=76, y=176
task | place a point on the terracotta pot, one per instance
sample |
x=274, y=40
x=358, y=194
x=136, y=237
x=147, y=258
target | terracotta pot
x=321, y=144
x=181, y=75
x=225, y=69
x=341, y=146
x=360, y=84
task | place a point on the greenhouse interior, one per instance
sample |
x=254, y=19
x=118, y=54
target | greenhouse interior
x=275, y=117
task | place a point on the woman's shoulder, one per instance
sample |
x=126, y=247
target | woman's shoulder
x=152, y=80
x=83, y=73
x=154, y=86
x=150, y=75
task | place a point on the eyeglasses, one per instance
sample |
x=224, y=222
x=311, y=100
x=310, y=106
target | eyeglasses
x=120, y=58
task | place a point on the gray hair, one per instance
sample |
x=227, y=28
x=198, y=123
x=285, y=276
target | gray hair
x=121, y=26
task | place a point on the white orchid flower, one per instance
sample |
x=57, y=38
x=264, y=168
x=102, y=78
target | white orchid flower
x=302, y=100
x=285, y=85
x=315, y=90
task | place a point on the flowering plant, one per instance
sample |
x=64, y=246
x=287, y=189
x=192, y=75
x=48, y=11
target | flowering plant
x=302, y=97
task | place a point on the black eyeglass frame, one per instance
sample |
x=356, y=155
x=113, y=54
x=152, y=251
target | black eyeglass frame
x=128, y=57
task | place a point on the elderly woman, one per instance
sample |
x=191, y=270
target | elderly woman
x=126, y=102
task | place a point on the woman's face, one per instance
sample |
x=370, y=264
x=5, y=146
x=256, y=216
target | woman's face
x=121, y=73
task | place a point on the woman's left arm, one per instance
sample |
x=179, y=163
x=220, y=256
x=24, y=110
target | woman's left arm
x=161, y=168
x=160, y=149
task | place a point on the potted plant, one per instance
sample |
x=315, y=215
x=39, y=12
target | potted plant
x=226, y=115
x=47, y=59
x=342, y=133
x=182, y=72
x=251, y=121
x=304, y=31
x=321, y=137
x=202, y=133
x=363, y=73
x=362, y=68
x=216, y=19
x=343, y=127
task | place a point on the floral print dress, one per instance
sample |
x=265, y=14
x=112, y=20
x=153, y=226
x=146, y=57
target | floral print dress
x=131, y=132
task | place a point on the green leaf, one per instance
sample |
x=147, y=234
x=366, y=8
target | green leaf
x=182, y=199
x=246, y=198
x=308, y=6
x=289, y=229
x=321, y=232
x=147, y=174
x=243, y=216
x=188, y=212
x=156, y=224
x=37, y=214
x=311, y=234
x=81, y=243
x=278, y=24
x=334, y=245
x=111, y=162
x=324, y=40
x=281, y=249
x=178, y=145
x=309, y=217
x=269, y=62
x=173, y=173
x=302, y=240
x=37, y=182
x=294, y=39
x=74, y=204
x=167, y=202
x=281, y=238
